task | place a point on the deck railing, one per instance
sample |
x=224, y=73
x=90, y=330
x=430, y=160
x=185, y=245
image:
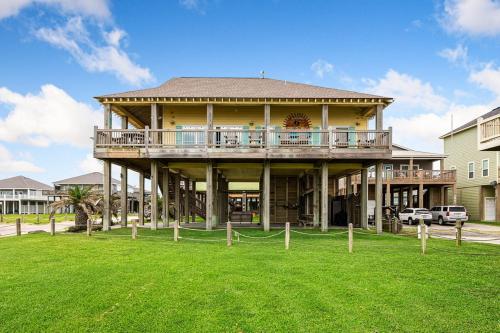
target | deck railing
x=416, y=175
x=239, y=138
x=489, y=129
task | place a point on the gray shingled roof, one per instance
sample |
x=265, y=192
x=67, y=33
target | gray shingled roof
x=21, y=182
x=472, y=123
x=205, y=87
x=93, y=178
x=401, y=152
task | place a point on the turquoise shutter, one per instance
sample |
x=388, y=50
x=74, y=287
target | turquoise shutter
x=257, y=139
x=276, y=140
x=178, y=135
x=315, y=136
x=352, y=137
x=244, y=138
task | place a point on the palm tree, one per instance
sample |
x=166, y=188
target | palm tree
x=87, y=203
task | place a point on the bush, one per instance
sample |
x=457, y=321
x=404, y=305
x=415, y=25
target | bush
x=95, y=227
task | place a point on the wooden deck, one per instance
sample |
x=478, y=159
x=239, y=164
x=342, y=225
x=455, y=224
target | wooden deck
x=247, y=144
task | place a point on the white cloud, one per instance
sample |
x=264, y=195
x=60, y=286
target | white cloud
x=93, y=8
x=473, y=17
x=321, y=67
x=8, y=164
x=457, y=56
x=49, y=117
x=196, y=5
x=422, y=131
x=90, y=164
x=488, y=78
x=407, y=91
x=109, y=57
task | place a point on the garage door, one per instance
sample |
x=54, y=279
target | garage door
x=489, y=208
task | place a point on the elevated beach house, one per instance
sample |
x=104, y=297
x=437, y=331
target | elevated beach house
x=293, y=139
x=23, y=195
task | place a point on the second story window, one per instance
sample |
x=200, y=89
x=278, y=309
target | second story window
x=485, y=167
x=470, y=169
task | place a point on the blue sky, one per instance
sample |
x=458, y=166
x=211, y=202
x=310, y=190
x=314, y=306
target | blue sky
x=436, y=58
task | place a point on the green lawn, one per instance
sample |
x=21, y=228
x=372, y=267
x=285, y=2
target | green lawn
x=109, y=282
x=497, y=224
x=34, y=219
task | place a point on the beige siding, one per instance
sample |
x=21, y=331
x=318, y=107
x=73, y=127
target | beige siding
x=253, y=116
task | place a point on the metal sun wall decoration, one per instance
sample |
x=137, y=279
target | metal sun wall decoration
x=297, y=120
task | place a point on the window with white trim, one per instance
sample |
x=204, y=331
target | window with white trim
x=485, y=164
x=470, y=170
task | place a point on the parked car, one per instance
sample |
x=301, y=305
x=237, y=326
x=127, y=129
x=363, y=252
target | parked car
x=445, y=214
x=413, y=216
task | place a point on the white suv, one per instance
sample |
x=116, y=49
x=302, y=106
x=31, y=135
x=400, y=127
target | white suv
x=413, y=216
x=445, y=214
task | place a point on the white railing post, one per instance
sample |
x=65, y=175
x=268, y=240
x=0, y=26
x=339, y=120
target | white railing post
x=146, y=137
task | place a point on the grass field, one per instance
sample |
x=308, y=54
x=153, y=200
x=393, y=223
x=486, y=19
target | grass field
x=493, y=223
x=34, y=219
x=109, y=282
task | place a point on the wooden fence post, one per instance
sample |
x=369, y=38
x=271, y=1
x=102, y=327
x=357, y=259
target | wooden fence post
x=229, y=234
x=89, y=227
x=422, y=234
x=18, y=227
x=350, y=237
x=458, y=226
x=176, y=230
x=52, y=226
x=38, y=218
x=134, y=229
x=287, y=235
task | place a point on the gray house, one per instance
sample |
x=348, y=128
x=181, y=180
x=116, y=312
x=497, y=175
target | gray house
x=93, y=180
x=23, y=195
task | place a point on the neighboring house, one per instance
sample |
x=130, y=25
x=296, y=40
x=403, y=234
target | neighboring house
x=412, y=179
x=93, y=180
x=477, y=171
x=221, y=130
x=23, y=195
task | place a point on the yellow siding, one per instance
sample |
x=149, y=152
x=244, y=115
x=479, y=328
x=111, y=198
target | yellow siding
x=253, y=116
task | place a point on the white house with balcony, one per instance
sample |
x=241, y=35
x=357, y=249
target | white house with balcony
x=23, y=195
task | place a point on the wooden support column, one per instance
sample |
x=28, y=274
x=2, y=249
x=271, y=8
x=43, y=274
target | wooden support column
x=210, y=123
x=154, y=194
x=106, y=222
x=420, y=191
x=106, y=217
x=177, y=197
x=364, y=198
x=165, y=198
x=324, y=123
x=194, y=204
x=209, y=195
x=316, y=217
x=267, y=196
x=454, y=189
x=124, y=184
x=400, y=199
x=442, y=190
x=324, y=196
x=410, y=196
x=215, y=196
x=154, y=122
x=141, y=198
x=388, y=193
x=348, y=192
x=378, y=196
x=186, y=200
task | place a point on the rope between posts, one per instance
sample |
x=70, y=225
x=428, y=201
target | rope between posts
x=259, y=237
x=202, y=240
x=325, y=234
x=201, y=230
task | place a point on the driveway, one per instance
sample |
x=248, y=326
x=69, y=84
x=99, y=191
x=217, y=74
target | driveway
x=471, y=232
x=9, y=229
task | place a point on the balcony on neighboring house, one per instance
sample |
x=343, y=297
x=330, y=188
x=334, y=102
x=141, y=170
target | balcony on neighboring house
x=238, y=143
x=488, y=133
